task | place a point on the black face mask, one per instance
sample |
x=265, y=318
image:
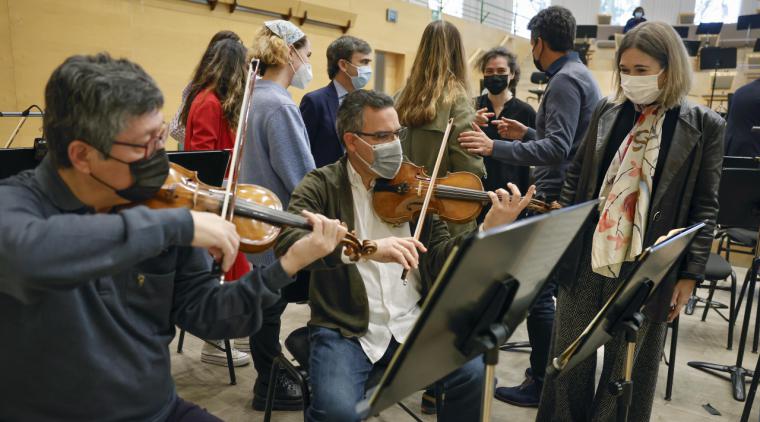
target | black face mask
x=537, y=61
x=149, y=175
x=495, y=84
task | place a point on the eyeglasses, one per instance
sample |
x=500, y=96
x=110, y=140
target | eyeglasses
x=385, y=136
x=155, y=144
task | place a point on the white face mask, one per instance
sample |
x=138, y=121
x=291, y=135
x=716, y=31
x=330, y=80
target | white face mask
x=303, y=75
x=642, y=90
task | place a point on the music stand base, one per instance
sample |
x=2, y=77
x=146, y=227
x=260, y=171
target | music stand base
x=737, y=373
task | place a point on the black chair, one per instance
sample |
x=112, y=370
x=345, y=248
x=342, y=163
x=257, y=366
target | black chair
x=671, y=361
x=227, y=349
x=735, y=236
x=717, y=268
x=297, y=344
x=540, y=79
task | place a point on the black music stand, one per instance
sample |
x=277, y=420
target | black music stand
x=756, y=49
x=586, y=32
x=717, y=58
x=683, y=31
x=741, y=162
x=738, y=187
x=709, y=28
x=748, y=22
x=210, y=165
x=692, y=47
x=483, y=293
x=622, y=314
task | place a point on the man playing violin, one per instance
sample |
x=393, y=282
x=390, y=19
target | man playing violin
x=361, y=312
x=103, y=289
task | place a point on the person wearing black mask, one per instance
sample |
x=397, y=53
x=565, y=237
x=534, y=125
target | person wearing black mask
x=501, y=72
x=638, y=17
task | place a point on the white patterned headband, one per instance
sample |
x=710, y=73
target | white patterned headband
x=285, y=30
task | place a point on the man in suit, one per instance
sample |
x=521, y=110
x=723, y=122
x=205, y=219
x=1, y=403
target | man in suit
x=348, y=66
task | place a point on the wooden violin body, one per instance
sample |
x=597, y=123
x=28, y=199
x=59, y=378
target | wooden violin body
x=457, y=197
x=183, y=189
x=258, y=215
x=400, y=199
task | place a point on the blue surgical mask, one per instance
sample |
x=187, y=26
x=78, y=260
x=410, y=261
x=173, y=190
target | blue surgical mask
x=638, y=15
x=363, y=74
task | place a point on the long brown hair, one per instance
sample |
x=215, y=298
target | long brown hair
x=225, y=75
x=438, y=68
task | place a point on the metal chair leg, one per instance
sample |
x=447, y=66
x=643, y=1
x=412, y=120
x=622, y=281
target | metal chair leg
x=732, y=312
x=708, y=302
x=230, y=366
x=273, y=374
x=672, y=359
x=181, y=340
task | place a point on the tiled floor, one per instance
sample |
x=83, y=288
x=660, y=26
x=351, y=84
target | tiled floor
x=208, y=385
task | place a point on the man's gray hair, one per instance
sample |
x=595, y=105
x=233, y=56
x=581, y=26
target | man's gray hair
x=92, y=98
x=351, y=111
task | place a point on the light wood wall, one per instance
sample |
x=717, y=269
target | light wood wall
x=167, y=38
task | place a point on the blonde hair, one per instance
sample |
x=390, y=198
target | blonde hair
x=439, y=67
x=661, y=42
x=271, y=49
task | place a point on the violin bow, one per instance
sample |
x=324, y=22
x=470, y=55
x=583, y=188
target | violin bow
x=228, y=205
x=431, y=187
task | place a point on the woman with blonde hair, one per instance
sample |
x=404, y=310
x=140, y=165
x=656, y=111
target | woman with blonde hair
x=437, y=90
x=277, y=157
x=654, y=161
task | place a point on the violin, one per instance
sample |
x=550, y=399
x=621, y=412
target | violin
x=257, y=211
x=457, y=197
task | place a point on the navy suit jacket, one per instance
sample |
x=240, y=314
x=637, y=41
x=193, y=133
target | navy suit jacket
x=319, y=110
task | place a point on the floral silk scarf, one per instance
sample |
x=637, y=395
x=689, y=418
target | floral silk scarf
x=625, y=195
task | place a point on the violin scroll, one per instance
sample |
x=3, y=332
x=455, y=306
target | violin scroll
x=355, y=249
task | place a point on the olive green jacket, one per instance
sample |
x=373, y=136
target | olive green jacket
x=337, y=296
x=421, y=143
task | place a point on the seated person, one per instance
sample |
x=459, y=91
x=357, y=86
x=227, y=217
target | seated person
x=104, y=288
x=361, y=312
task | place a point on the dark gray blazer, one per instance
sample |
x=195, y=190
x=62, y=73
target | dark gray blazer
x=687, y=192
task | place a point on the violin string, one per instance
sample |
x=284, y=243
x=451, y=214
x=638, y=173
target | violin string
x=470, y=194
x=265, y=213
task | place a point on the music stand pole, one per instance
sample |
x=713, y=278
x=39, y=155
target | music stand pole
x=715, y=79
x=623, y=388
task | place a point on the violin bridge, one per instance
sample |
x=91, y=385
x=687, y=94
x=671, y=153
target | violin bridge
x=419, y=188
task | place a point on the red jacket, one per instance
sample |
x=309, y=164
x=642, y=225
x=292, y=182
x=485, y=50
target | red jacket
x=207, y=129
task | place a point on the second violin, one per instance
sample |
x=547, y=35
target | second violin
x=457, y=197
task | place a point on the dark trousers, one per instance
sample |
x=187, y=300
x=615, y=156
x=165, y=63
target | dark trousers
x=185, y=411
x=265, y=343
x=339, y=369
x=573, y=395
x=540, y=322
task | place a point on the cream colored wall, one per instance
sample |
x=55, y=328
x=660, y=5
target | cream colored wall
x=167, y=38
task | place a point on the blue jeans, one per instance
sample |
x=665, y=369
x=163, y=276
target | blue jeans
x=338, y=370
x=540, y=323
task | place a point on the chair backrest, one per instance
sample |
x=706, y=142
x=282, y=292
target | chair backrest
x=539, y=78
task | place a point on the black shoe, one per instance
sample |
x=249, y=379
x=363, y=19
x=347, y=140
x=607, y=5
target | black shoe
x=287, y=393
x=526, y=394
